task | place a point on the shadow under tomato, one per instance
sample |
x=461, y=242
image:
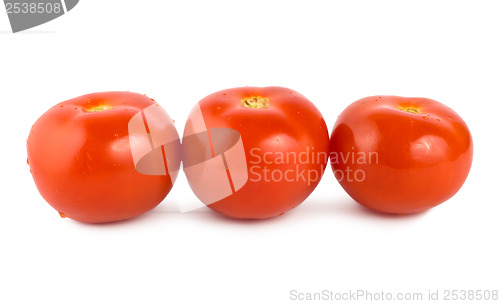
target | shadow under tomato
x=143, y=218
x=209, y=215
x=348, y=207
x=345, y=208
x=372, y=213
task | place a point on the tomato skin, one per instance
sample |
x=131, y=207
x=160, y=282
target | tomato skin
x=423, y=150
x=82, y=164
x=289, y=124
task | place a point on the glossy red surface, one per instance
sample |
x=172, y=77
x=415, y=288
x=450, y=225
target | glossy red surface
x=404, y=155
x=80, y=159
x=289, y=125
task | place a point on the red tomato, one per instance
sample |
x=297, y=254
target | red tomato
x=400, y=155
x=85, y=155
x=254, y=152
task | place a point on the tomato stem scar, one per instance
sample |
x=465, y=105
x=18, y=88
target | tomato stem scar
x=255, y=102
x=99, y=108
x=410, y=109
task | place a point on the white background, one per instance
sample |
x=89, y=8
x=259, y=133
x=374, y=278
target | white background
x=177, y=52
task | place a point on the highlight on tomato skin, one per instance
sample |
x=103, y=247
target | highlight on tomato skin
x=254, y=152
x=104, y=157
x=400, y=155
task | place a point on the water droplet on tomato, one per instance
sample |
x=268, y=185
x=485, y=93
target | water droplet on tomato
x=62, y=214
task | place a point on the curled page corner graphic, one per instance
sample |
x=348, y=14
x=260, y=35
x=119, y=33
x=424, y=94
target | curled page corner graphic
x=70, y=4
